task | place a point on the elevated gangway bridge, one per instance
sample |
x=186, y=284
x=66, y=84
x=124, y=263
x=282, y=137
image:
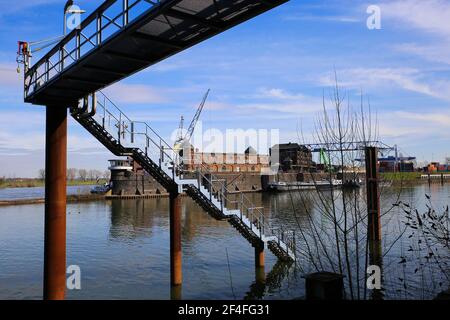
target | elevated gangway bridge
x=120, y=38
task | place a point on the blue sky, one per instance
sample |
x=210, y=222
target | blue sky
x=268, y=73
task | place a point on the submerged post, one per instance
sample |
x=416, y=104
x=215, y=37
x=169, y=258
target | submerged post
x=259, y=255
x=374, y=214
x=175, y=239
x=373, y=194
x=55, y=203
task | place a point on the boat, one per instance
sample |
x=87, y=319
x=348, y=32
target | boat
x=352, y=184
x=102, y=189
x=285, y=186
x=326, y=184
x=281, y=186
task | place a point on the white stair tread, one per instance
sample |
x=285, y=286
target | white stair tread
x=167, y=167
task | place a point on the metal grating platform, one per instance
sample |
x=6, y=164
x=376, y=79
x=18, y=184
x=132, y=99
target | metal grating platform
x=123, y=37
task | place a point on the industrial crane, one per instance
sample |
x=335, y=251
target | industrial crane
x=182, y=139
x=26, y=49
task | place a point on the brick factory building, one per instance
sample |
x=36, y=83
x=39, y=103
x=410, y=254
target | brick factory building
x=249, y=161
x=293, y=157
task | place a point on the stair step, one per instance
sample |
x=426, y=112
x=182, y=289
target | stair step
x=202, y=195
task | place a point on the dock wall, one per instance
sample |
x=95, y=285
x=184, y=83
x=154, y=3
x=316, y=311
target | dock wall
x=129, y=183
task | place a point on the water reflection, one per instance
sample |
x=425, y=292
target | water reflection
x=271, y=282
x=122, y=246
x=131, y=219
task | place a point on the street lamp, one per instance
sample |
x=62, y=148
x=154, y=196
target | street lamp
x=68, y=9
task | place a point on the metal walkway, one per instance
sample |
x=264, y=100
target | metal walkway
x=124, y=137
x=123, y=37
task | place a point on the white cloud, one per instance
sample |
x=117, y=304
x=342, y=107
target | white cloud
x=134, y=94
x=441, y=118
x=430, y=16
x=424, y=127
x=438, y=52
x=409, y=79
x=277, y=93
x=274, y=103
x=321, y=18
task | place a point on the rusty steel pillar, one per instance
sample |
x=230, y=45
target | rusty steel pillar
x=376, y=258
x=259, y=256
x=373, y=194
x=176, y=292
x=175, y=239
x=260, y=275
x=55, y=203
x=374, y=213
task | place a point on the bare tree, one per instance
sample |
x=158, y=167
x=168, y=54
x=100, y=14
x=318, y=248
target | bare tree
x=97, y=174
x=106, y=175
x=82, y=174
x=335, y=239
x=41, y=174
x=91, y=175
x=71, y=174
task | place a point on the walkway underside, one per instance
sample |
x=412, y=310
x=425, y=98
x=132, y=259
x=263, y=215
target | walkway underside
x=94, y=59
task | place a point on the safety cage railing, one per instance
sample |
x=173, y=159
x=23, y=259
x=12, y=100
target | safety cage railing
x=111, y=17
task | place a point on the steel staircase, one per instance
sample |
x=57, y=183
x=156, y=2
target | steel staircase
x=124, y=137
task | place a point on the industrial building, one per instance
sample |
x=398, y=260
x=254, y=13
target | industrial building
x=214, y=162
x=397, y=164
x=292, y=157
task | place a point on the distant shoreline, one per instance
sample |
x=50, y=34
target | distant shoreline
x=70, y=198
x=35, y=183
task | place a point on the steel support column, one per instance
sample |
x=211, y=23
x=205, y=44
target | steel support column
x=373, y=194
x=175, y=239
x=374, y=213
x=259, y=255
x=55, y=203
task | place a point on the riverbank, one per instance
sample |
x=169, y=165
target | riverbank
x=414, y=178
x=401, y=176
x=93, y=197
x=33, y=183
x=70, y=198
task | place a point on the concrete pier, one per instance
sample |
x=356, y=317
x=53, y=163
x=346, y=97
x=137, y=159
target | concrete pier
x=55, y=203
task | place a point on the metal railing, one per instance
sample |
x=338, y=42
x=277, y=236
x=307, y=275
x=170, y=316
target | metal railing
x=111, y=17
x=139, y=135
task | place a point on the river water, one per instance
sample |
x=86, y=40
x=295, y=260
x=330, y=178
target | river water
x=122, y=248
x=38, y=192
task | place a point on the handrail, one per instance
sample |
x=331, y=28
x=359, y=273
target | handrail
x=246, y=204
x=255, y=216
x=78, y=39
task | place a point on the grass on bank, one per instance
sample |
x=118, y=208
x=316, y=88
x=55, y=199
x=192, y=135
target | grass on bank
x=400, y=176
x=30, y=183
